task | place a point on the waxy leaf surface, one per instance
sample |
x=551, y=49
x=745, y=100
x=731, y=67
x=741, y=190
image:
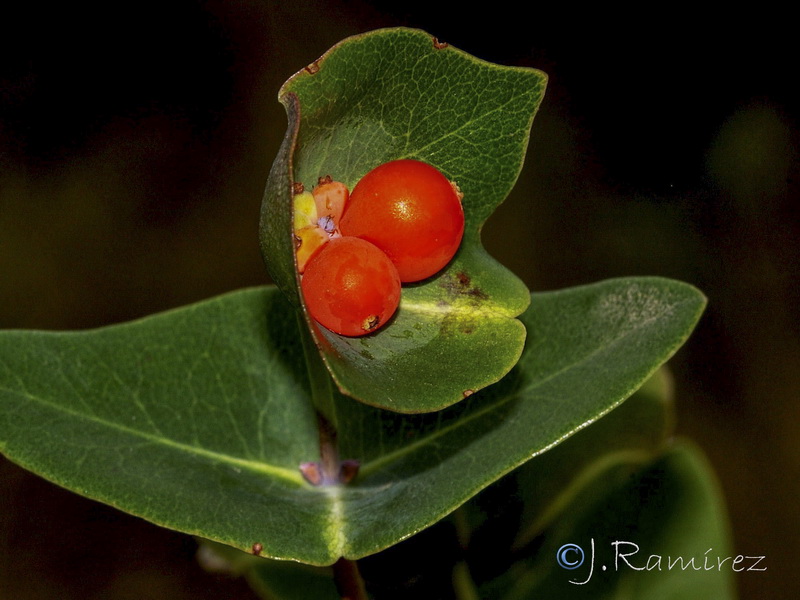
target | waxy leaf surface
x=394, y=94
x=198, y=419
x=537, y=493
x=625, y=439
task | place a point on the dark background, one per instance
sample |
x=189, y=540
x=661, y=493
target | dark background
x=135, y=141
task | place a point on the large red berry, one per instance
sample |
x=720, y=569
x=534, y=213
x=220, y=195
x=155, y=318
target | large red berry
x=409, y=210
x=350, y=286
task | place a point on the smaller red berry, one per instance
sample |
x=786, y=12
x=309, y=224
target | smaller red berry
x=351, y=287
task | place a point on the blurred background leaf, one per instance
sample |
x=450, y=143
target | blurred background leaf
x=135, y=141
x=635, y=535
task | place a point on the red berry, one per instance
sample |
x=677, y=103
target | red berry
x=409, y=210
x=350, y=286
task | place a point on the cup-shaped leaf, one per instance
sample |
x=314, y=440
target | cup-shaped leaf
x=393, y=94
x=199, y=419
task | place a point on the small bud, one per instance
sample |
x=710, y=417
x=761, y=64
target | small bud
x=331, y=197
x=307, y=241
x=348, y=470
x=305, y=211
x=312, y=473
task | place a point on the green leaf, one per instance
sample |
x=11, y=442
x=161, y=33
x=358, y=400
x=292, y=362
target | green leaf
x=198, y=419
x=392, y=94
x=625, y=439
x=536, y=493
x=661, y=534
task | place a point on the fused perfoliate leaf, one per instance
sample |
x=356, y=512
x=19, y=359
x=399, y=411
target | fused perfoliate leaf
x=392, y=94
x=199, y=419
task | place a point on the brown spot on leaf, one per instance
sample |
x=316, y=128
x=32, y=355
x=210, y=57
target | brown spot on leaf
x=468, y=393
x=313, y=68
x=477, y=293
x=460, y=284
x=298, y=187
x=257, y=548
x=439, y=45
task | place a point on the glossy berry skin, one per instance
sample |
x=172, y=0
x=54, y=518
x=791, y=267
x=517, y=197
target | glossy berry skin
x=351, y=287
x=409, y=210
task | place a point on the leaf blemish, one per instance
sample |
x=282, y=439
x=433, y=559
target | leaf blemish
x=313, y=68
x=478, y=293
x=439, y=45
x=257, y=548
x=461, y=284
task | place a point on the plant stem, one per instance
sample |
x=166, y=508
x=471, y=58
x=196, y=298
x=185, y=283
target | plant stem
x=348, y=580
x=322, y=397
x=320, y=380
x=328, y=451
x=346, y=575
x=462, y=527
x=463, y=586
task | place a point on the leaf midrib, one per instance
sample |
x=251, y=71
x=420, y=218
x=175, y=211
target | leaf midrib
x=494, y=311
